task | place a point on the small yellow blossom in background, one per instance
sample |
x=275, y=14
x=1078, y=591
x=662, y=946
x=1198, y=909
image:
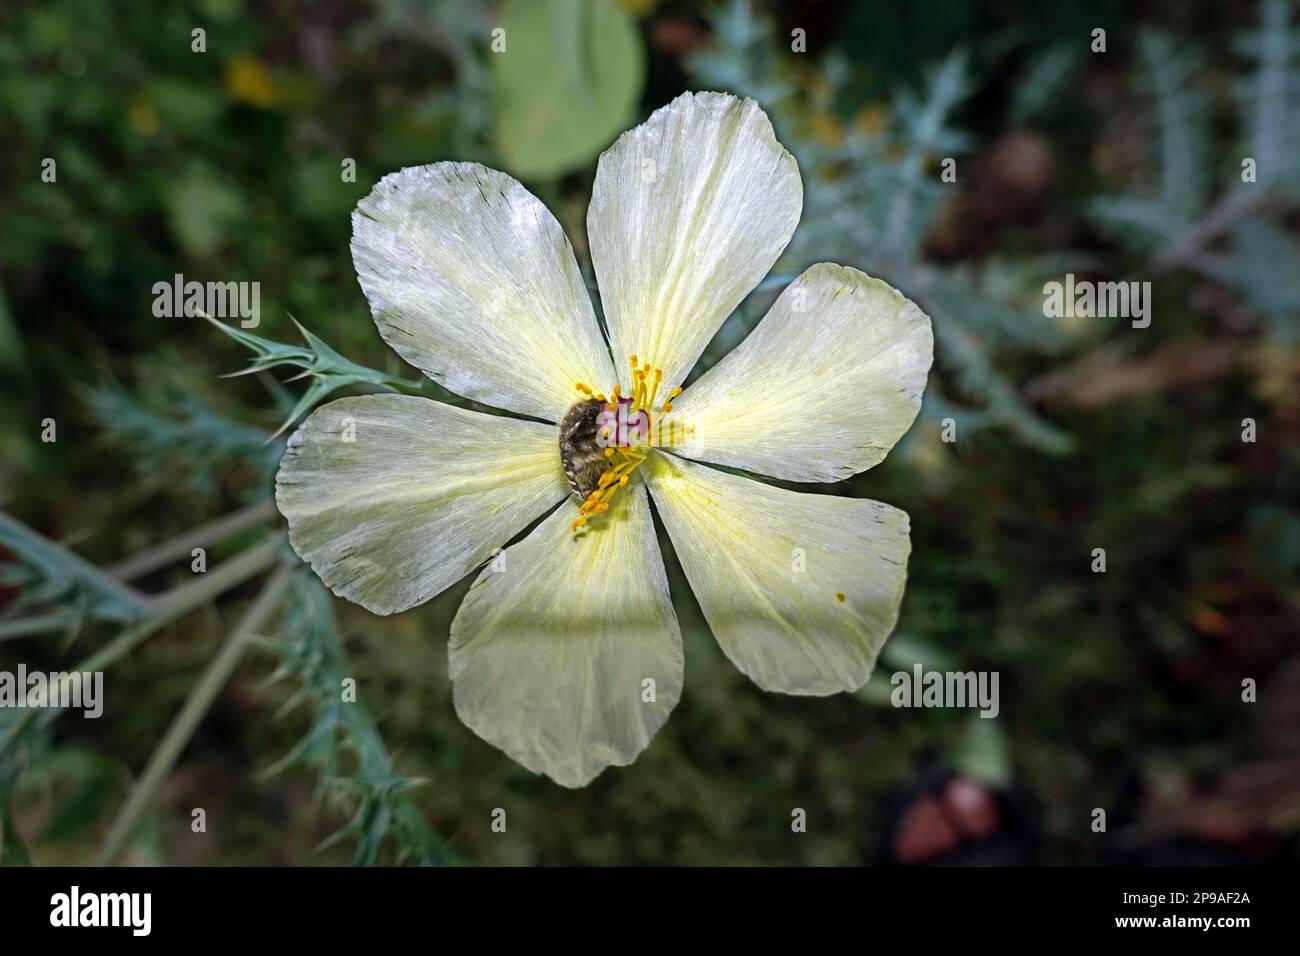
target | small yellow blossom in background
x=871, y=119
x=825, y=128
x=1207, y=620
x=144, y=119
x=639, y=8
x=249, y=81
x=1275, y=372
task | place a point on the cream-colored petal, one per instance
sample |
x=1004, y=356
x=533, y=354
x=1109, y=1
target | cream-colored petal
x=550, y=654
x=688, y=213
x=825, y=385
x=392, y=498
x=472, y=280
x=800, y=590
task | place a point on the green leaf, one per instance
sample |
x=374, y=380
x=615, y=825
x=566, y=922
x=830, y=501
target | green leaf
x=327, y=369
x=1044, y=80
x=202, y=211
x=190, y=108
x=904, y=650
x=87, y=784
x=311, y=649
x=193, y=435
x=566, y=83
x=982, y=753
x=57, y=575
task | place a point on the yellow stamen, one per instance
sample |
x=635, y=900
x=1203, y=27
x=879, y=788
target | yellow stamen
x=654, y=390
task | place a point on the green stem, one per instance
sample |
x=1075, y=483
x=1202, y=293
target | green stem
x=196, y=705
x=39, y=624
x=183, y=545
x=170, y=606
x=180, y=601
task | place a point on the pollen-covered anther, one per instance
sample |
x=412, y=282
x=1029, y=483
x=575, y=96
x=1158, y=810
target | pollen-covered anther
x=645, y=384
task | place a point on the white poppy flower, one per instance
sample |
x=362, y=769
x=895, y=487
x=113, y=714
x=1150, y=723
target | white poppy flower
x=566, y=652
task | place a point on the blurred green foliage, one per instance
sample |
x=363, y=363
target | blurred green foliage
x=230, y=165
x=568, y=85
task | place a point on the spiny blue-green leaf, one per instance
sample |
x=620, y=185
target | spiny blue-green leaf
x=54, y=574
x=312, y=650
x=327, y=369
